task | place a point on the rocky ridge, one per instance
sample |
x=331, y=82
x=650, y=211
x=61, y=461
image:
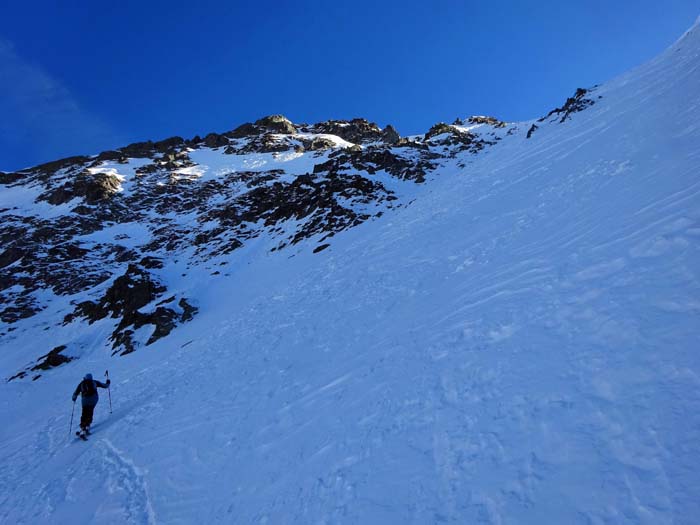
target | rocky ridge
x=99, y=232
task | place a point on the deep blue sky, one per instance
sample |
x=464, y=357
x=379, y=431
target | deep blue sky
x=81, y=77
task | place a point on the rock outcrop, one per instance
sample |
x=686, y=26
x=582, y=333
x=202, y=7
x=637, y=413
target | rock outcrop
x=357, y=131
x=455, y=140
x=124, y=300
x=574, y=104
x=46, y=362
x=341, y=175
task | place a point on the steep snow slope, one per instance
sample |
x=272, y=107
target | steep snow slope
x=519, y=345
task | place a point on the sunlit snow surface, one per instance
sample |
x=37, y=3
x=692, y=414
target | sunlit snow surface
x=213, y=163
x=517, y=346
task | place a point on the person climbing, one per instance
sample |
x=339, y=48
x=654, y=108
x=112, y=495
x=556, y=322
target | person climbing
x=87, y=389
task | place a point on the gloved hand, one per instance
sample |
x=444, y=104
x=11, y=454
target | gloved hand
x=108, y=382
x=74, y=397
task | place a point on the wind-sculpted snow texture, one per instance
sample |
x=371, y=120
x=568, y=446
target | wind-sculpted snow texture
x=512, y=340
x=72, y=229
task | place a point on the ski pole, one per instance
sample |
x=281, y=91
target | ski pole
x=71, y=419
x=109, y=391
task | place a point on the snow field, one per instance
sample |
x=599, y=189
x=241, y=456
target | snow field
x=519, y=345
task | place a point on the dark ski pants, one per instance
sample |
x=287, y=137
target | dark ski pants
x=86, y=417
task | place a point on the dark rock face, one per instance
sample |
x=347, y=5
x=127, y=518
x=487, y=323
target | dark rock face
x=112, y=156
x=242, y=131
x=47, y=361
x=9, y=178
x=96, y=188
x=41, y=254
x=377, y=159
x=188, y=311
x=277, y=124
x=265, y=143
x=146, y=149
x=74, y=251
x=23, y=308
x=151, y=263
x=357, y=131
x=124, y=299
x=128, y=293
x=214, y=140
x=454, y=140
x=440, y=129
x=69, y=162
x=169, y=145
x=574, y=104
x=67, y=252
x=492, y=121
x=311, y=200
x=390, y=135
x=532, y=129
x=53, y=359
x=271, y=124
x=92, y=188
x=138, y=150
x=317, y=144
x=10, y=256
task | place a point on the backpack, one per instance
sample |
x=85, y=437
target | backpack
x=87, y=388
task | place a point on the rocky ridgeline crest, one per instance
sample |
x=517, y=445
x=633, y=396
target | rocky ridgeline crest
x=52, y=246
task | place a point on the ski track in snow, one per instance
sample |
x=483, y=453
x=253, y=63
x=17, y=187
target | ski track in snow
x=515, y=352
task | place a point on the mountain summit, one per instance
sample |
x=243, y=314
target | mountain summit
x=491, y=322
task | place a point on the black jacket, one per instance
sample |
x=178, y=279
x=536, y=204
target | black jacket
x=89, y=399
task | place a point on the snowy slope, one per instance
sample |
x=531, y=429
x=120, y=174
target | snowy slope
x=517, y=345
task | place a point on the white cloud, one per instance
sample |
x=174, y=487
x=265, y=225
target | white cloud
x=40, y=120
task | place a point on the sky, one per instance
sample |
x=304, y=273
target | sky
x=83, y=77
